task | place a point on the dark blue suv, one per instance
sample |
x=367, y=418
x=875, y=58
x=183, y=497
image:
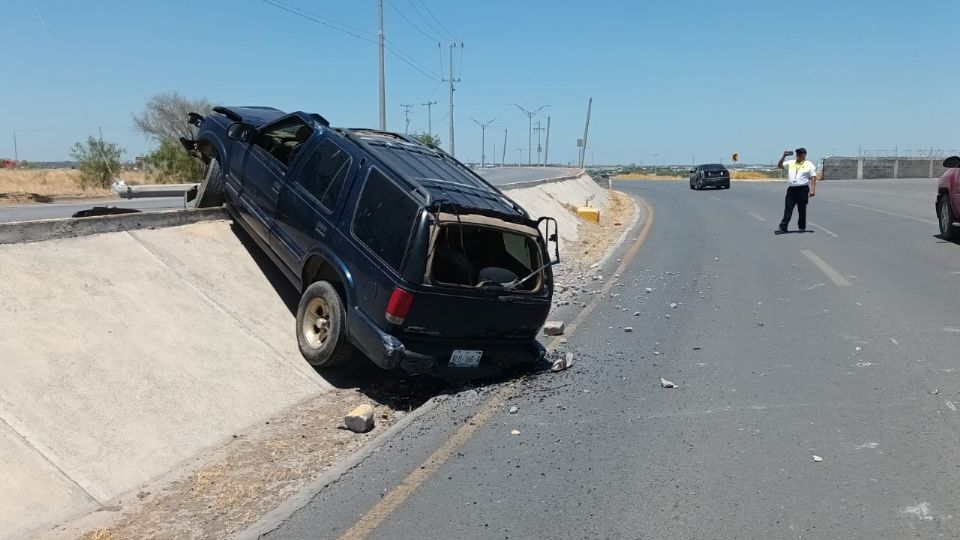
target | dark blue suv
x=400, y=250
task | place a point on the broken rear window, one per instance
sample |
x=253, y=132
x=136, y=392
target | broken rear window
x=471, y=255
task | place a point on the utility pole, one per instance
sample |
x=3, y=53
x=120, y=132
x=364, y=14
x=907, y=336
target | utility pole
x=539, y=130
x=406, y=114
x=452, y=80
x=483, y=140
x=520, y=157
x=655, y=156
x=530, y=115
x=383, y=84
x=586, y=131
x=494, y=153
x=16, y=153
x=503, y=160
x=430, y=105
x=546, y=148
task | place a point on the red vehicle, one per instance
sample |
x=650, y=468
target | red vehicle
x=948, y=200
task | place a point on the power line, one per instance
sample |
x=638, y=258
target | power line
x=432, y=16
x=329, y=23
x=424, y=19
x=412, y=24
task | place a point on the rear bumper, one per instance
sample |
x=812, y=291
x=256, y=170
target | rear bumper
x=431, y=356
x=719, y=181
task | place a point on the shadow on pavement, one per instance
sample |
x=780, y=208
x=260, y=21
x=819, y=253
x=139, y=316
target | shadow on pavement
x=285, y=290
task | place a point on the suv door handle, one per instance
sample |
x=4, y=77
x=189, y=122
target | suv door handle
x=320, y=229
x=277, y=186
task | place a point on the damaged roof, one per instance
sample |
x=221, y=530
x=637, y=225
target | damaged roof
x=442, y=178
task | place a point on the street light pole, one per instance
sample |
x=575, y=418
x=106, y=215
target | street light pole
x=483, y=140
x=383, y=84
x=530, y=115
x=539, y=129
x=430, y=105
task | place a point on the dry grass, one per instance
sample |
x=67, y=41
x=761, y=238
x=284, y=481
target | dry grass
x=46, y=185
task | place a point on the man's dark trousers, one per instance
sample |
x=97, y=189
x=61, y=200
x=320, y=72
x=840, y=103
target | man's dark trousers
x=796, y=196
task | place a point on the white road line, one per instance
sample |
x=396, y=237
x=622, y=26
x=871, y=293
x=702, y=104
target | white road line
x=757, y=216
x=904, y=216
x=824, y=229
x=834, y=276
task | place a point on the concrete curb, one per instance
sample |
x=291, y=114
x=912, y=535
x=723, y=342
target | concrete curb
x=20, y=232
x=531, y=183
x=280, y=514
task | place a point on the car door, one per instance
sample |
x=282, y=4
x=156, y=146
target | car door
x=264, y=170
x=310, y=203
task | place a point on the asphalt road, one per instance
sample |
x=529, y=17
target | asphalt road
x=29, y=212
x=841, y=343
x=508, y=175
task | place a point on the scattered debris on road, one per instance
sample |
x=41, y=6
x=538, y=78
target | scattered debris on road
x=673, y=305
x=648, y=290
x=515, y=432
x=553, y=328
x=817, y=458
x=360, y=420
x=667, y=384
x=562, y=362
x=514, y=409
x=933, y=391
x=628, y=329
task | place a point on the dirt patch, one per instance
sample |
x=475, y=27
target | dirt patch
x=48, y=185
x=596, y=238
x=245, y=479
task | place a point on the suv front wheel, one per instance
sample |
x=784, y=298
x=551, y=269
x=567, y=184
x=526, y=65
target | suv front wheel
x=948, y=230
x=322, y=326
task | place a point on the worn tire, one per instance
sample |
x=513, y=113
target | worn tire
x=211, y=192
x=946, y=218
x=322, y=326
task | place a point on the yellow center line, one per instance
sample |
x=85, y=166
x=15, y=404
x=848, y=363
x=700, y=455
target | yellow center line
x=397, y=496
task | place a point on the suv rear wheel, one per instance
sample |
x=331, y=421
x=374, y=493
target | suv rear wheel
x=322, y=326
x=946, y=218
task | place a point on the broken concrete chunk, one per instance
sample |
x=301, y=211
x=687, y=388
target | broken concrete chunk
x=515, y=432
x=628, y=329
x=817, y=459
x=360, y=420
x=649, y=290
x=667, y=384
x=673, y=305
x=514, y=409
x=563, y=362
x=553, y=328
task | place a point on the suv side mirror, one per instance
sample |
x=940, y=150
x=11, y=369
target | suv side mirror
x=242, y=132
x=951, y=162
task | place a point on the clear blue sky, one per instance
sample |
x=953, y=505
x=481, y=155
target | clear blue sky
x=674, y=78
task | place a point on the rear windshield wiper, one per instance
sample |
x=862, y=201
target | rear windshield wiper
x=516, y=283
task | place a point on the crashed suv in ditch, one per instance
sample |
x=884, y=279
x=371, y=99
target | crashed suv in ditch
x=399, y=250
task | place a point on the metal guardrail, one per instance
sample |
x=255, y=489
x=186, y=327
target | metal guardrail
x=155, y=190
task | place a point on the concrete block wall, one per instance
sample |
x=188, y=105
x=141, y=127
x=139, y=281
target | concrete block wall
x=852, y=168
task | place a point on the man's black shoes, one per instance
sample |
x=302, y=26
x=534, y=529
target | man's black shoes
x=780, y=231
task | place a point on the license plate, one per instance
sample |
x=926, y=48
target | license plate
x=465, y=359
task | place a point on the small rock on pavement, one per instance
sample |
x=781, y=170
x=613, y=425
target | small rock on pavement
x=562, y=363
x=667, y=384
x=817, y=459
x=515, y=432
x=649, y=290
x=673, y=305
x=553, y=328
x=360, y=420
x=628, y=329
x=514, y=410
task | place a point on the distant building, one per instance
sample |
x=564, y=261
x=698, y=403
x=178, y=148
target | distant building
x=8, y=164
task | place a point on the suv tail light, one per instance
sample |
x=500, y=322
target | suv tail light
x=399, y=306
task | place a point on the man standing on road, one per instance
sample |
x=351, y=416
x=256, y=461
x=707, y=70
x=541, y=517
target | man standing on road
x=802, y=184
